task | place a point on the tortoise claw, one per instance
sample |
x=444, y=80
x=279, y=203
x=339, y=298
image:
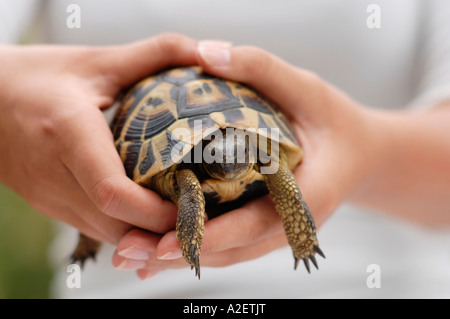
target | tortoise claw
x=319, y=251
x=314, y=261
x=308, y=258
x=306, y=262
x=195, y=261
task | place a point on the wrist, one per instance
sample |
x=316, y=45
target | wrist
x=410, y=177
x=380, y=141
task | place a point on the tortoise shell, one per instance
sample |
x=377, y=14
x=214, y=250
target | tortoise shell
x=152, y=113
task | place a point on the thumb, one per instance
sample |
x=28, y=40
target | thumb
x=126, y=64
x=279, y=81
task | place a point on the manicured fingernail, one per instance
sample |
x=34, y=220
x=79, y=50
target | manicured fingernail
x=130, y=264
x=215, y=53
x=171, y=254
x=133, y=252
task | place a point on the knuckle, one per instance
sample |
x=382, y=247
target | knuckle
x=169, y=37
x=50, y=127
x=106, y=196
x=169, y=42
x=58, y=123
x=258, y=61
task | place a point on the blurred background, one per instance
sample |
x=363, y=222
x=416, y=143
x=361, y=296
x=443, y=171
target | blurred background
x=327, y=37
x=24, y=239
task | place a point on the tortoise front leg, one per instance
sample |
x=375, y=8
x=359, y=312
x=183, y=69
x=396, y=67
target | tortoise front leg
x=295, y=215
x=183, y=188
x=190, y=218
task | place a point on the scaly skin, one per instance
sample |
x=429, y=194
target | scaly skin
x=191, y=217
x=188, y=195
x=295, y=215
x=183, y=188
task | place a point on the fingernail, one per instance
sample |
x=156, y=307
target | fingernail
x=174, y=254
x=129, y=264
x=133, y=252
x=215, y=53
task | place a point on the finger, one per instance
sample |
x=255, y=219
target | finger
x=148, y=272
x=69, y=216
x=217, y=259
x=123, y=263
x=137, y=251
x=103, y=227
x=129, y=63
x=279, y=81
x=138, y=244
x=90, y=155
x=240, y=227
x=244, y=253
x=65, y=200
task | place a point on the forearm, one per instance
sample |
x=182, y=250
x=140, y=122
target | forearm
x=412, y=176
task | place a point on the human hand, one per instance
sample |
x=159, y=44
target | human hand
x=56, y=147
x=338, y=141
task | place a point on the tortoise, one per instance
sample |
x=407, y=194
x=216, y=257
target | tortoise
x=209, y=144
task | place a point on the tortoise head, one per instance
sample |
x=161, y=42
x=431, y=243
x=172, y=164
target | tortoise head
x=228, y=156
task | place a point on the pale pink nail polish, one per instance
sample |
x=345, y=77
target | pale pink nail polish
x=129, y=264
x=135, y=253
x=171, y=255
x=215, y=53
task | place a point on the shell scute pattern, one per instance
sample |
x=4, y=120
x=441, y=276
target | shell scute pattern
x=147, y=125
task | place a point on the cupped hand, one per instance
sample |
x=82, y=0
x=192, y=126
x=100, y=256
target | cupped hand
x=56, y=147
x=337, y=138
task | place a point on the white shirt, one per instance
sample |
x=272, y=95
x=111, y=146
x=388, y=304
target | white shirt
x=405, y=63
